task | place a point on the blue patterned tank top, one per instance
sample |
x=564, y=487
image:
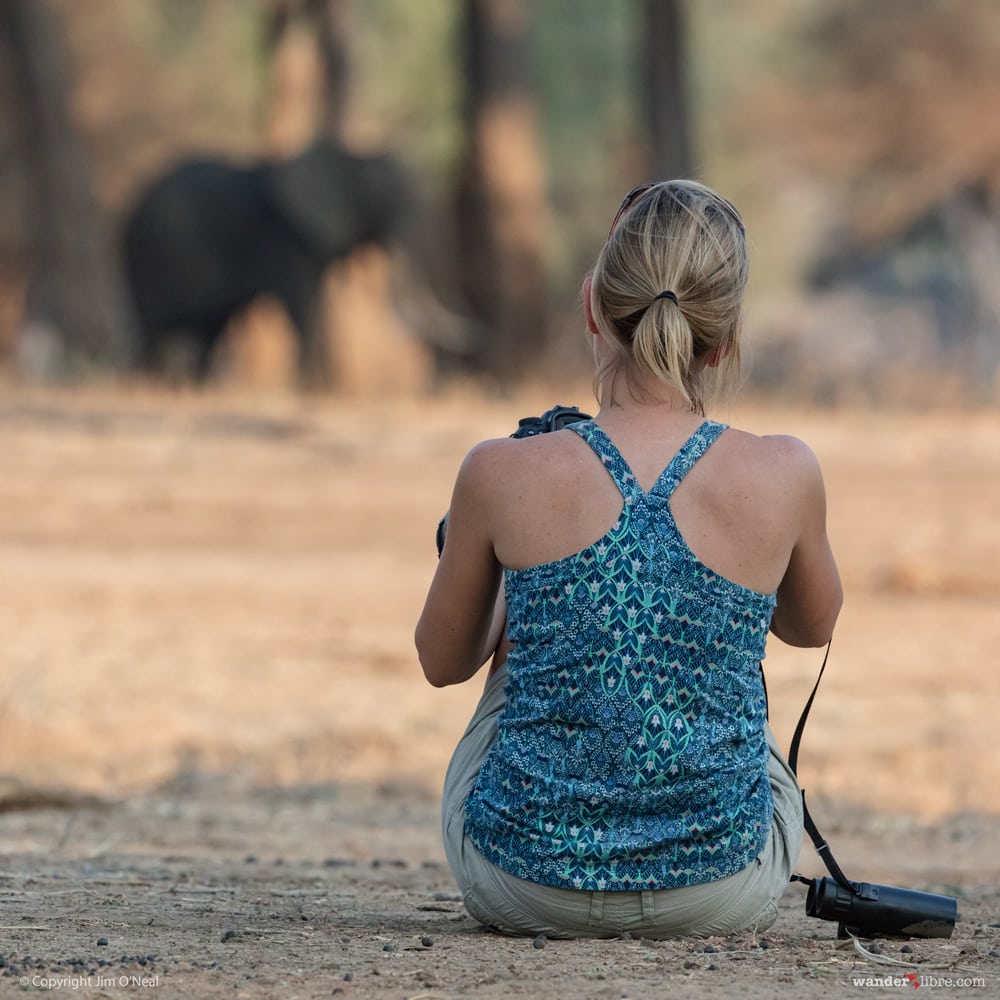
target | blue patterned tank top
x=631, y=752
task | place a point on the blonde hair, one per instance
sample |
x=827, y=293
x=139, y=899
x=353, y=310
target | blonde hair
x=676, y=237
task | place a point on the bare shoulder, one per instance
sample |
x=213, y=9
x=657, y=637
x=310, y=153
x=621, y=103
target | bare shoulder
x=779, y=469
x=485, y=465
x=502, y=456
x=493, y=464
x=505, y=469
x=774, y=453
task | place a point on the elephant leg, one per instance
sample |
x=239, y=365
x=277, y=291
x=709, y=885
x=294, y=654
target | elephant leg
x=185, y=355
x=301, y=293
x=203, y=355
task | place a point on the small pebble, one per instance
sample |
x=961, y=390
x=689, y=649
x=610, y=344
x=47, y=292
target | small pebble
x=690, y=963
x=102, y=942
x=708, y=949
x=426, y=941
x=876, y=948
x=388, y=946
x=712, y=967
x=764, y=943
x=539, y=941
x=907, y=949
x=250, y=859
x=348, y=977
x=230, y=935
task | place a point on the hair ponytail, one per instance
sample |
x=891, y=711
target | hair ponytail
x=663, y=345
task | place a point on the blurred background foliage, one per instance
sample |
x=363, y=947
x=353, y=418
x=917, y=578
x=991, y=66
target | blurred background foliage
x=859, y=139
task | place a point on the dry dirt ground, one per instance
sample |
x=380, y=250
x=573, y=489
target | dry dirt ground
x=219, y=765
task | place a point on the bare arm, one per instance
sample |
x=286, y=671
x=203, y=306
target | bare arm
x=810, y=594
x=463, y=616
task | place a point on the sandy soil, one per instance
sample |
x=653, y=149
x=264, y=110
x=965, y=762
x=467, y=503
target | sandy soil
x=217, y=754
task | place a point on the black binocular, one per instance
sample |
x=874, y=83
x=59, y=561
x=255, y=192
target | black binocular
x=865, y=910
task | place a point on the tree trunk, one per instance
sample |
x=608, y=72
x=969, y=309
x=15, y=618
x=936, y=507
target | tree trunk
x=307, y=55
x=333, y=21
x=308, y=65
x=76, y=299
x=665, y=91
x=501, y=198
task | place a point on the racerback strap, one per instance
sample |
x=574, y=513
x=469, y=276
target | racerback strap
x=679, y=466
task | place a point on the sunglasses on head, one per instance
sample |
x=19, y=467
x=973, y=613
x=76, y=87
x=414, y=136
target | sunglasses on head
x=641, y=189
x=627, y=202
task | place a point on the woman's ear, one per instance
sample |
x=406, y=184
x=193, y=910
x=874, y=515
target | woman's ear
x=591, y=325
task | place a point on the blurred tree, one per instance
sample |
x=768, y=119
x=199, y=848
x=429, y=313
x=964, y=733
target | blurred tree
x=334, y=31
x=888, y=113
x=76, y=310
x=665, y=91
x=884, y=102
x=500, y=196
x=308, y=57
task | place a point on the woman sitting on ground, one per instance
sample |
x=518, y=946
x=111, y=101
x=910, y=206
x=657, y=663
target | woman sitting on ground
x=619, y=773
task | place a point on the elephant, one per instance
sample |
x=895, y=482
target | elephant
x=210, y=236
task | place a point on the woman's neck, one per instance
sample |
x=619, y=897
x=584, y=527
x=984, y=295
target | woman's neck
x=641, y=398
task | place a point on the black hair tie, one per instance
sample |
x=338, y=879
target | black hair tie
x=667, y=295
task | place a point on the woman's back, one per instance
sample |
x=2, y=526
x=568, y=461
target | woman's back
x=633, y=686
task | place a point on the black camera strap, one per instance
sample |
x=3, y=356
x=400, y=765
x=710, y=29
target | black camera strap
x=819, y=842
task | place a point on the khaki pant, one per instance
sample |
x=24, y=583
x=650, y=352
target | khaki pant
x=742, y=902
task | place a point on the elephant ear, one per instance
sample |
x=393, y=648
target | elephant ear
x=335, y=200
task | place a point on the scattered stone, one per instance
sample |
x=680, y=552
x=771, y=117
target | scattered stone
x=876, y=947
x=250, y=859
x=712, y=967
x=102, y=942
x=764, y=943
x=907, y=949
x=427, y=941
x=539, y=941
x=230, y=935
x=348, y=977
x=709, y=949
x=388, y=946
x=690, y=963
